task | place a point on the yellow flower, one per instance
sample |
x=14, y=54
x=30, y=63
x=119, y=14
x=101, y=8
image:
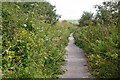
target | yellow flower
x=98, y=41
x=10, y=57
x=114, y=55
x=11, y=68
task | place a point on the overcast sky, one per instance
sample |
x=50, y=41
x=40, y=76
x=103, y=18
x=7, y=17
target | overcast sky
x=73, y=9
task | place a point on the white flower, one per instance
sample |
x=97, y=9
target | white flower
x=25, y=25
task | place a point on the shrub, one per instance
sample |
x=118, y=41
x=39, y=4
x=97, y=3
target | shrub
x=31, y=48
x=101, y=46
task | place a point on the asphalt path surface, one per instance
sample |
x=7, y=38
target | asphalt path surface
x=76, y=61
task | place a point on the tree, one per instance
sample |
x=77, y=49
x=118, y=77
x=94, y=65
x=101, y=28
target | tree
x=42, y=10
x=107, y=13
x=86, y=19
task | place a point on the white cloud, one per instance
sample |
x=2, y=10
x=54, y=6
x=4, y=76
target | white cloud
x=73, y=9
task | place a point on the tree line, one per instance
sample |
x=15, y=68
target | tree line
x=107, y=14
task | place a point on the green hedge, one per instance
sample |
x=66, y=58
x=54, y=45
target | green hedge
x=30, y=47
x=101, y=46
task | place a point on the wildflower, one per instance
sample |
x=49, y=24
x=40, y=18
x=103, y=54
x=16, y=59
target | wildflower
x=25, y=25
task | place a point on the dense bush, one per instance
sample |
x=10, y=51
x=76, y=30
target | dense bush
x=31, y=48
x=107, y=13
x=101, y=46
x=100, y=40
x=86, y=19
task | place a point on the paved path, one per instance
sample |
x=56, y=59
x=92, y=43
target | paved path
x=75, y=61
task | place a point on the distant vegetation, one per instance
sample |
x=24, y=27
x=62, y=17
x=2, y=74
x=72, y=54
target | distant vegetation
x=98, y=36
x=86, y=19
x=73, y=21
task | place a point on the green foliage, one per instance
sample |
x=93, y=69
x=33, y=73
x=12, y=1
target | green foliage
x=100, y=40
x=41, y=10
x=101, y=46
x=86, y=19
x=107, y=13
x=32, y=48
